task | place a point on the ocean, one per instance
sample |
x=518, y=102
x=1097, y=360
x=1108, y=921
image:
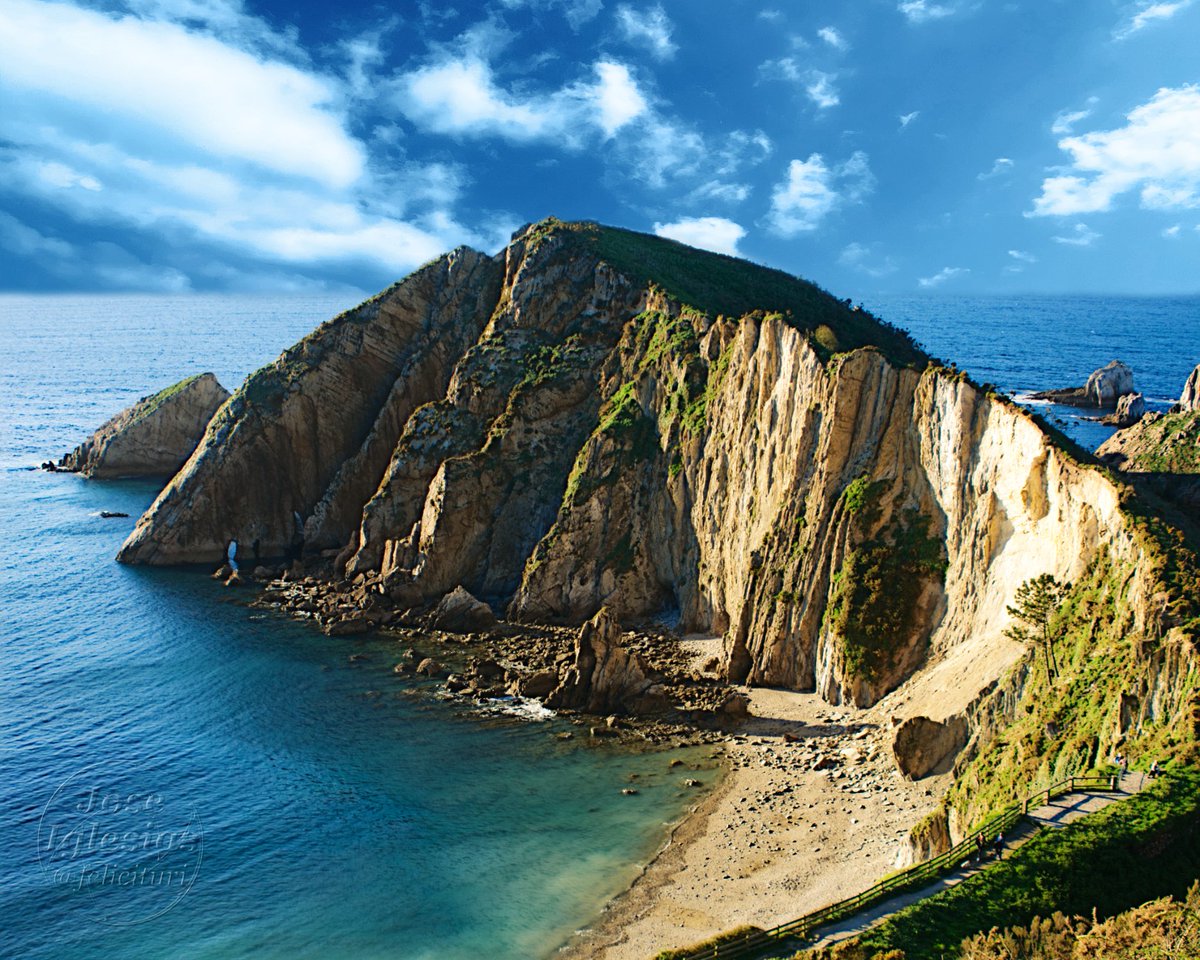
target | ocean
x=184, y=775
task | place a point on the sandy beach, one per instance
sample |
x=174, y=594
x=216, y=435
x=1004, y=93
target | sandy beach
x=812, y=810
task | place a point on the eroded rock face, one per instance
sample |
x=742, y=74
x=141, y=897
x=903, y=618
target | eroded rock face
x=604, y=678
x=154, y=437
x=922, y=746
x=301, y=446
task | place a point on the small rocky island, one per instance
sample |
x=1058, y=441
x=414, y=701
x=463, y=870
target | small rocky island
x=153, y=438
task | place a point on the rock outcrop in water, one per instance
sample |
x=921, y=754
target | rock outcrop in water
x=1103, y=389
x=154, y=437
x=600, y=419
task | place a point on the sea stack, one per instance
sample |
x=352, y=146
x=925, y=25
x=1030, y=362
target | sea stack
x=154, y=437
x=1103, y=389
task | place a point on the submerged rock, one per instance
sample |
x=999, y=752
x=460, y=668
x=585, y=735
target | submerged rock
x=154, y=437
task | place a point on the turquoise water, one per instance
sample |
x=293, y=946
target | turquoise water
x=263, y=795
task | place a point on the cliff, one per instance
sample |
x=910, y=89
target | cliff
x=152, y=438
x=596, y=418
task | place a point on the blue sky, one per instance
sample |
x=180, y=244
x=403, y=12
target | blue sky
x=874, y=146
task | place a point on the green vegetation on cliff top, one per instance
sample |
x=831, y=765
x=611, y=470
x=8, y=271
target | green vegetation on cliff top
x=714, y=283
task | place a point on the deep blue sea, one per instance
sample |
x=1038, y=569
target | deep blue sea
x=183, y=776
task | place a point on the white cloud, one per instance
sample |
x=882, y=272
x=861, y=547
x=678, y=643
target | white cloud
x=907, y=118
x=831, y=36
x=186, y=86
x=1148, y=13
x=1066, y=120
x=820, y=89
x=946, y=273
x=707, y=233
x=576, y=12
x=1001, y=166
x=650, y=29
x=1172, y=232
x=771, y=16
x=207, y=141
x=459, y=95
x=1157, y=153
x=818, y=85
x=867, y=259
x=920, y=11
x=1081, y=236
x=813, y=190
x=1022, y=256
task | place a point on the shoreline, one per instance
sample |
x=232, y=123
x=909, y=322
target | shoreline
x=810, y=809
x=655, y=874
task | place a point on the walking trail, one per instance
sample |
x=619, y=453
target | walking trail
x=1061, y=811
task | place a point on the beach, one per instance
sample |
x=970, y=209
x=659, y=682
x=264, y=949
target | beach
x=812, y=809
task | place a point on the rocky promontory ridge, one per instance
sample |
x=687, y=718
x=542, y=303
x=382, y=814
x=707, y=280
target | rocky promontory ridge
x=154, y=437
x=596, y=419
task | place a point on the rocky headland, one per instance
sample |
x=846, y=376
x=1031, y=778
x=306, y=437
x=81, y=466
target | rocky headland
x=580, y=450
x=153, y=438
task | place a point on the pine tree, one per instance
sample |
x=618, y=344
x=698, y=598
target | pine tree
x=1034, y=606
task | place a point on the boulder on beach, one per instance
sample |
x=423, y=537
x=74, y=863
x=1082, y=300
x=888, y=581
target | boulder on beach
x=154, y=437
x=1103, y=389
x=460, y=612
x=923, y=746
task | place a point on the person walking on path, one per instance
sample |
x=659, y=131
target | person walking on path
x=979, y=845
x=998, y=846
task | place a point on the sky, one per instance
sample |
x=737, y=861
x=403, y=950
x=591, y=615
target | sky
x=872, y=146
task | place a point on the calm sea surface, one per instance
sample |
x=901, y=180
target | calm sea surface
x=184, y=776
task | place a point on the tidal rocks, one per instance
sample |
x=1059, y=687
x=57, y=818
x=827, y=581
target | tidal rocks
x=1103, y=389
x=154, y=437
x=460, y=612
x=923, y=746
